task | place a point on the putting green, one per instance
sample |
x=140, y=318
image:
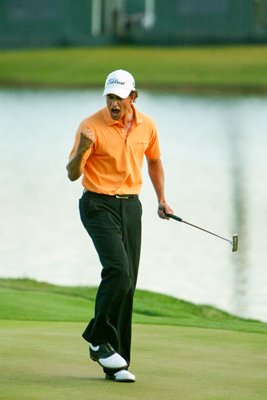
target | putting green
x=48, y=360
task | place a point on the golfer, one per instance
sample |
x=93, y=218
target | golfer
x=108, y=153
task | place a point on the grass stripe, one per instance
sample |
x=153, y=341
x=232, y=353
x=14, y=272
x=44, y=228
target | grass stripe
x=222, y=68
x=24, y=299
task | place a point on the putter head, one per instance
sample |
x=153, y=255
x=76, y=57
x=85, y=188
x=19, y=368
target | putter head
x=235, y=243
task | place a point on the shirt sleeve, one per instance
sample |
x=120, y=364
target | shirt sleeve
x=153, y=149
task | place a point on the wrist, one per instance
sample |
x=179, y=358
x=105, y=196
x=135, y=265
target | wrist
x=161, y=206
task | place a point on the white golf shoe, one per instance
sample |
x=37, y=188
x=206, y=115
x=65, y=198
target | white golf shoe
x=121, y=376
x=106, y=356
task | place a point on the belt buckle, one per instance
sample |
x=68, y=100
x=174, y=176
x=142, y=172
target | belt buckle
x=121, y=196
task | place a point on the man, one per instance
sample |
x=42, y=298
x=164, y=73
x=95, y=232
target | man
x=108, y=151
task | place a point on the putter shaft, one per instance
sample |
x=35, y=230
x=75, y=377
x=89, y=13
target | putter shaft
x=234, y=242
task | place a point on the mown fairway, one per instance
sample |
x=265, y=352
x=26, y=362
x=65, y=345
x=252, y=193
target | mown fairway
x=239, y=69
x=176, y=354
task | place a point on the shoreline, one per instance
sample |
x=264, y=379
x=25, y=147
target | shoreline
x=149, y=307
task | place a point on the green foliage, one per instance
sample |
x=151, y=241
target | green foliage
x=24, y=299
x=197, y=69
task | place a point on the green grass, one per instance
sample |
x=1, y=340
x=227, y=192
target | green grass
x=25, y=299
x=175, y=353
x=49, y=360
x=224, y=68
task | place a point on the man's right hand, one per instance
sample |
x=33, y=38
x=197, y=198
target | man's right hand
x=87, y=138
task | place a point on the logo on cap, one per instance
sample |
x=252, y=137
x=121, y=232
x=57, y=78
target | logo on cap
x=115, y=81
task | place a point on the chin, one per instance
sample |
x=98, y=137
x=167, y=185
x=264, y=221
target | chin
x=115, y=117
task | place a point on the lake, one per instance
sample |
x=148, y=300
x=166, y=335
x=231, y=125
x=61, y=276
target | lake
x=213, y=152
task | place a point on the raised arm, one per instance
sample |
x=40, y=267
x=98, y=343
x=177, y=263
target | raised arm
x=74, y=166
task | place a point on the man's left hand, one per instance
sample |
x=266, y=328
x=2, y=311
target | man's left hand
x=164, y=209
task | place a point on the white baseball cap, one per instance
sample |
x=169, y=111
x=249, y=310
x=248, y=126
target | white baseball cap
x=120, y=83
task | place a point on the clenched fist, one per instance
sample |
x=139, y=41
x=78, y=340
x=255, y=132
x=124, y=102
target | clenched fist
x=87, y=138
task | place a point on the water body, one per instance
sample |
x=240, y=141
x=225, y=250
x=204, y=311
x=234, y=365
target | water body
x=213, y=150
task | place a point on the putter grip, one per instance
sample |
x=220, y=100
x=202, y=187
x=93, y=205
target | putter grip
x=174, y=217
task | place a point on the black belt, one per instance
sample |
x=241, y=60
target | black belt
x=117, y=196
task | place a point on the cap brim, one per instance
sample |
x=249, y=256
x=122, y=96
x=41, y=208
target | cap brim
x=118, y=91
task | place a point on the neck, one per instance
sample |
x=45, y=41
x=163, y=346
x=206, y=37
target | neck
x=128, y=117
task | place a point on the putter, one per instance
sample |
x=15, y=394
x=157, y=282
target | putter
x=233, y=243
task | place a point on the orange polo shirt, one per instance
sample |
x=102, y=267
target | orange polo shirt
x=113, y=165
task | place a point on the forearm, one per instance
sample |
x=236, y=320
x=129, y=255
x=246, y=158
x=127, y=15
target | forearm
x=156, y=174
x=74, y=166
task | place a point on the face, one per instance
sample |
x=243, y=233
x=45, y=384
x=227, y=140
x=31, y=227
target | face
x=117, y=106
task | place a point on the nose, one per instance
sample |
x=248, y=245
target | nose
x=114, y=103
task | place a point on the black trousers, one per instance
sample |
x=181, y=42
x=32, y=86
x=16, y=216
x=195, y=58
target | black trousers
x=114, y=226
